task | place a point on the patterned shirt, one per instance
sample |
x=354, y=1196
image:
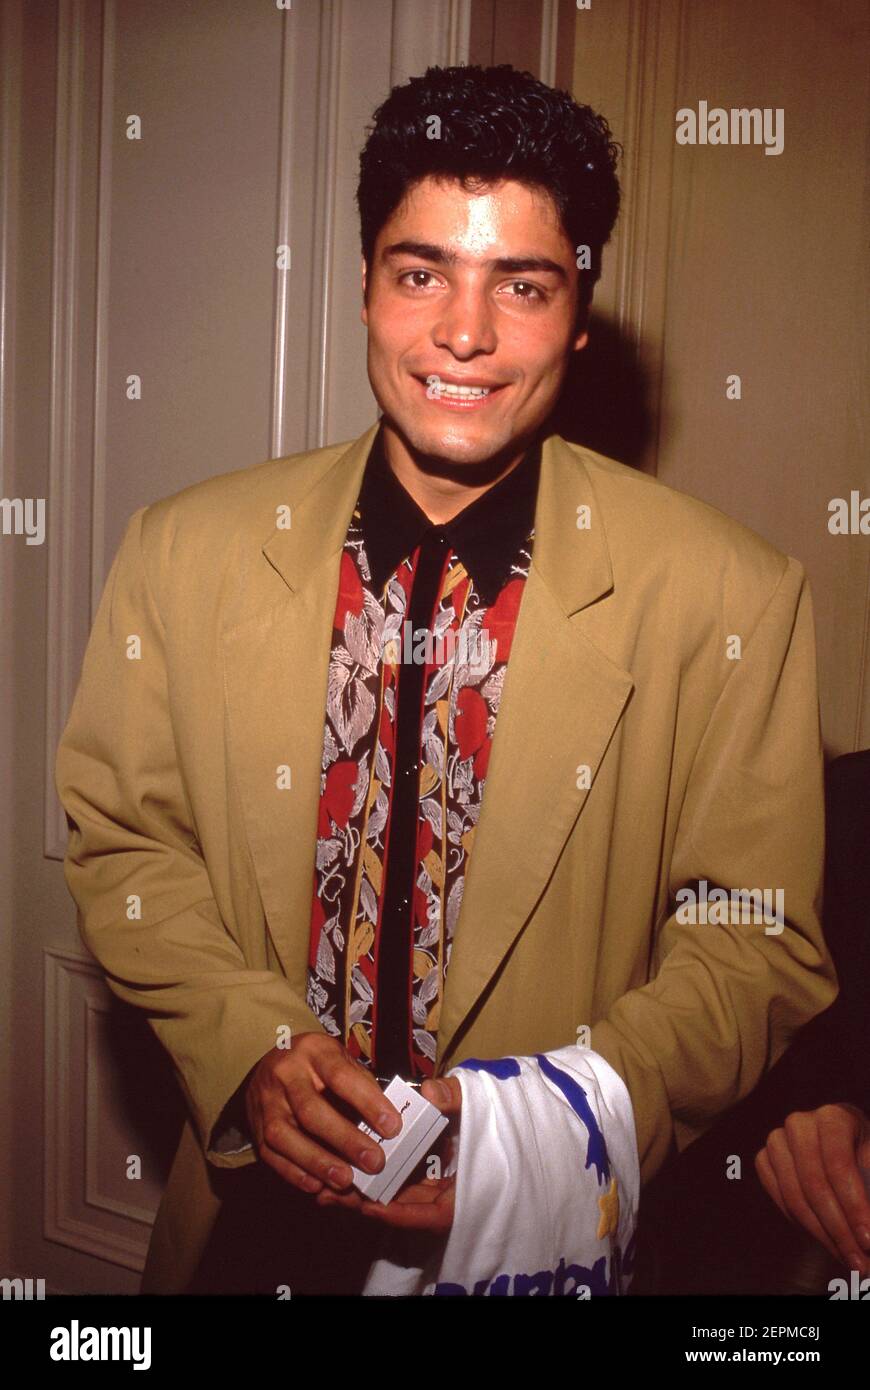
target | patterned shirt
x=422, y=631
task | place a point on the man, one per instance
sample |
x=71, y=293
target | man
x=297, y=814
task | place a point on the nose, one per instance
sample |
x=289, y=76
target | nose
x=465, y=325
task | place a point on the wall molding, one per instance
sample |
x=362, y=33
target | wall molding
x=11, y=23
x=655, y=35
x=323, y=242
x=458, y=32
x=61, y=655
x=101, y=327
x=549, y=41
x=283, y=236
x=75, y=996
x=77, y=474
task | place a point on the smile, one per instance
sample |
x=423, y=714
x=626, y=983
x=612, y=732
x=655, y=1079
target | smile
x=457, y=397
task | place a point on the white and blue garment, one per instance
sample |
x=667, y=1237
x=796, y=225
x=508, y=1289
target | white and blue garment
x=547, y=1184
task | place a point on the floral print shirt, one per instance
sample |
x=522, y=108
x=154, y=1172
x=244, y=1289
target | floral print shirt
x=410, y=714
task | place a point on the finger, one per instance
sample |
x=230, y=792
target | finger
x=416, y=1196
x=838, y=1133
x=795, y=1204
x=327, y=1198
x=769, y=1181
x=291, y=1172
x=429, y=1190
x=355, y=1084
x=411, y=1216
x=317, y=1120
x=284, y=1138
x=804, y=1139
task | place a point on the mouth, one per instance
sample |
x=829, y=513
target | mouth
x=454, y=395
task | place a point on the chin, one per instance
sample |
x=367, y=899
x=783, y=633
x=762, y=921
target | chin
x=457, y=448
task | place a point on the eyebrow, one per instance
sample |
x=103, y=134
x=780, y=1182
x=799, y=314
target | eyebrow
x=507, y=265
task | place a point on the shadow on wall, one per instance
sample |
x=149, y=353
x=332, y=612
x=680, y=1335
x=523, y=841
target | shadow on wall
x=605, y=399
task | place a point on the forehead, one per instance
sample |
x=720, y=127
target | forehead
x=479, y=217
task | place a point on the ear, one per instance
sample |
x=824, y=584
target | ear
x=364, y=315
x=581, y=341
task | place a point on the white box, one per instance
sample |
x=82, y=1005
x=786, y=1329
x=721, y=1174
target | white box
x=421, y=1125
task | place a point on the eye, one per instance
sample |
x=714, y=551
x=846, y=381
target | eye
x=403, y=278
x=533, y=294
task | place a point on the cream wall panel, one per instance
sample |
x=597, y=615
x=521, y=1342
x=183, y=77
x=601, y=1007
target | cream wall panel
x=189, y=267
x=727, y=260
x=767, y=279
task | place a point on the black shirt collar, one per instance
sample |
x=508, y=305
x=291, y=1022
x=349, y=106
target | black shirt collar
x=486, y=535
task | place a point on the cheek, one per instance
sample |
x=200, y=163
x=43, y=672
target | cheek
x=540, y=344
x=540, y=362
x=390, y=330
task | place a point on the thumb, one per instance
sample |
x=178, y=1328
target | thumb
x=444, y=1093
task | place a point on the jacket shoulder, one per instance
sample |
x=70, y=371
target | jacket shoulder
x=676, y=529
x=202, y=545
x=243, y=498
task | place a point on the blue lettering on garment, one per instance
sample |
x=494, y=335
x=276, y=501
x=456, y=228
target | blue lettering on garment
x=575, y=1095
x=503, y=1067
x=563, y=1282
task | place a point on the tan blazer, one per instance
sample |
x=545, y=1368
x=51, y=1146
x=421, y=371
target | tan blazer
x=659, y=725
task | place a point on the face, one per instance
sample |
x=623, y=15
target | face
x=477, y=290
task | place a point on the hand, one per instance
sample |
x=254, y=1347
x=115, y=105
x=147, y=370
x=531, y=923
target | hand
x=810, y=1168
x=421, y=1206
x=288, y=1114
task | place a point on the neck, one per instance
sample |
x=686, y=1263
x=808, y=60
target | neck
x=440, y=487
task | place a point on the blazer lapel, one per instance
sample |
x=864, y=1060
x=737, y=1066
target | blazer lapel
x=276, y=661
x=561, y=702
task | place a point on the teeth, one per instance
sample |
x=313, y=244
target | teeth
x=446, y=390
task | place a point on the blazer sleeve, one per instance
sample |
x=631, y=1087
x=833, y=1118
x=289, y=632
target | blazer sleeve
x=131, y=832
x=725, y=1000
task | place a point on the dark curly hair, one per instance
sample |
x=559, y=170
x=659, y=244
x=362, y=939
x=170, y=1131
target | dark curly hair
x=496, y=123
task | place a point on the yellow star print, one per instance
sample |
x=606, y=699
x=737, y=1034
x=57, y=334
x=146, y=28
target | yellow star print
x=609, y=1205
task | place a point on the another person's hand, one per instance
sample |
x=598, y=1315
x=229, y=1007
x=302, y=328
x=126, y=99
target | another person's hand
x=298, y=1131
x=811, y=1168
x=420, y=1206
